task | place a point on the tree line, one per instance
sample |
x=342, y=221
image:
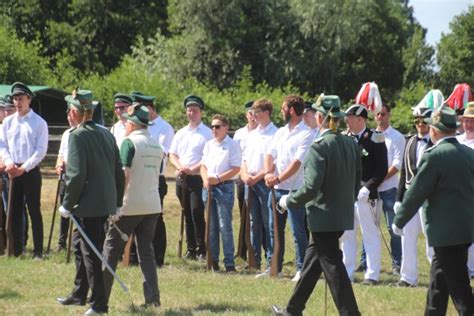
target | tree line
x=233, y=51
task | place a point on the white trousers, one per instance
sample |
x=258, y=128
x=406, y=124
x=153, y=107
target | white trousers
x=365, y=215
x=411, y=231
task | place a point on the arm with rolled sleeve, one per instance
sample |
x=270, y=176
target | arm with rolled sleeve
x=398, y=149
x=4, y=152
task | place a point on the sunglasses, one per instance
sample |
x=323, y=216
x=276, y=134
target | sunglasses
x=419, y=121
x=120, y=108
x=215, y=126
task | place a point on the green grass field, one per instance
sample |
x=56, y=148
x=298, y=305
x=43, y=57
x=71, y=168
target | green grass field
x=30, y=287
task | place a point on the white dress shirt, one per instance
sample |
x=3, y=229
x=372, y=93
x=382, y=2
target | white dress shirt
x=221, y=157
x=119, y=130
x=241, y=136
x=162, y=132
x=63, y=147
x=421, y=147
x=24, y=140
x=258, y=143
x=395, y=143
x=463, y=140
x=188, y=144
x=288, y=146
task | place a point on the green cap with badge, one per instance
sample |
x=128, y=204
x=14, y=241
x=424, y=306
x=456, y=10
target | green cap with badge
x=329, y=105
x=139, y=114
x=122, y=98
x=81, y=100
x=139, y=97
x=444, y=119
x=193, y=100
x=19, y=88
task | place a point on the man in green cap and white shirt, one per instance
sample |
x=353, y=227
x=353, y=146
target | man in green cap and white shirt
x=445, y=179
x=141, y=156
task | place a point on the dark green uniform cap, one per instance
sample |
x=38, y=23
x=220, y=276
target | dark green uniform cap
x=444, y=119
x=248, y=105
x=308, y=106
x=329, y=104
x=81, y=100
x=139, y=97
x=19, y=88
x=122, y=98
x=139, y=114
x=193, y=100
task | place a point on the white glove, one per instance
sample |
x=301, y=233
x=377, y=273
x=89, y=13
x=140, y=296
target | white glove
x=363, y=195
x=396, y=206
x=282, y=202
x=63, y=212
x=115, y=218
x=396, y=230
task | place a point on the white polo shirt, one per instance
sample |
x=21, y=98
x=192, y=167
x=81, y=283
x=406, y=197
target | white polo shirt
x=463, y=140
x=241, y=136
x=118, y=130
x=24, y=139
x=288, y=146
x=220, y=157
x=395, y=143
x=188, y=144
x=163, y=133
x=258, y=143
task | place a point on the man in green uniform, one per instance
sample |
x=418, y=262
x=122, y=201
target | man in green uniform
x=331, y=183
x=445, y=179
x=94, y=190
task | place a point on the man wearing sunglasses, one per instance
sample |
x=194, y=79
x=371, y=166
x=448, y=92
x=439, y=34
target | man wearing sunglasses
x=414, y=150
x=121, y=104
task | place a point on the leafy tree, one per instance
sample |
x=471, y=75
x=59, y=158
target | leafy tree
x=456, y=52
x=20, y=61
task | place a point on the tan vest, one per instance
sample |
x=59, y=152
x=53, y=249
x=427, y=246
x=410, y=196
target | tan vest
x=141, y=195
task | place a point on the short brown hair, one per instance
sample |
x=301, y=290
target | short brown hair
x=222, y=118
x=296, y=102
x=263, y=105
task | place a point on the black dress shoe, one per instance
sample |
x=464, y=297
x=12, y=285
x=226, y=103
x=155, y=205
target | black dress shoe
x=279, y=311
x=70, y=301
x=370, y=282
x=190, y=255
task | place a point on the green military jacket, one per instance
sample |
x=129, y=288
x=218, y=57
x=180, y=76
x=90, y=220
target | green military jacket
x=445, y=178
x=94, y=175
x=332, y=175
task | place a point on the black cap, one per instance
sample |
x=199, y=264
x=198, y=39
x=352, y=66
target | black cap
x=19, y=88
x=308, y=106
x=193, y=100
x=248, y=105
x=357, y=110
x=122, y=97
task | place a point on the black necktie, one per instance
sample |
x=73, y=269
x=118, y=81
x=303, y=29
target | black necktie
x=422, y=139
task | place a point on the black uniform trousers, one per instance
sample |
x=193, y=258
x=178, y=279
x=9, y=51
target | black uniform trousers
x=88, y=265
x=323, y=255
x=27, y=188
x=449, y=276
x=64, y=222
x=189, y=193
x=159, y=241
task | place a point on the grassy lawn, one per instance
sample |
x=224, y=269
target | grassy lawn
x=30, y=288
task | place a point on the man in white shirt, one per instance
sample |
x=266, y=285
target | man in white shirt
x=60, y=167
x=395, y=143
x=121, y=104
x=163, y=133
x=185, y=155
x=309, y=116
x=467, y=139
x=221, y=162
x=284, y=173
x=253, y=173
x=23, y=144
x=241, y=136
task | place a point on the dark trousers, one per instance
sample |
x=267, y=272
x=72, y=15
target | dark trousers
x=64, y=222
x=323, y=255
x=189, y=192
x=88, y=265
x=159, y=240
x=449, y=277
x=27, y=188
x=143, y=226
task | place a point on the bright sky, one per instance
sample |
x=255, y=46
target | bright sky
x=435, y=15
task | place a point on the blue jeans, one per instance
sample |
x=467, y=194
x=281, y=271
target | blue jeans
x=297, y=225
x=388, y=200
x=221, y=221
x=259, y=217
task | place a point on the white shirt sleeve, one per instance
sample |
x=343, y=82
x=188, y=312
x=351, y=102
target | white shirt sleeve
x=41, y=146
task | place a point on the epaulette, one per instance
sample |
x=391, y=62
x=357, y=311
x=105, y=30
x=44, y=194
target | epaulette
x=318, y=140
x=377, y=137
